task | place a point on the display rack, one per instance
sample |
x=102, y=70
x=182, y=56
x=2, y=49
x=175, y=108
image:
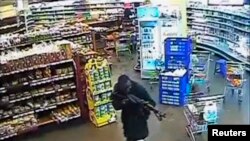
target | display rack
x=128, y=25
x=12, y=21
x=54, y=12
x=77, y=34
x=222, y=29
x=219, y=48
x=200, y=113
x=235, y=80
x=38, y=89
x=135, y=24
x=99, y=91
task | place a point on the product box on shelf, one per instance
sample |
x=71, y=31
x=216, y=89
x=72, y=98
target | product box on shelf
x=98, y=78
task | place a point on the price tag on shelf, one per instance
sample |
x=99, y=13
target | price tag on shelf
x=24, y=114
x=59, y=90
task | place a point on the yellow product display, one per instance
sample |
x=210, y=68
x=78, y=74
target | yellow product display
x=235, y=76
x=104, y=120
x=99, y=91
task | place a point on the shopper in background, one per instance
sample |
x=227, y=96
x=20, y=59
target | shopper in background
x=133, y=42
x=134, y=116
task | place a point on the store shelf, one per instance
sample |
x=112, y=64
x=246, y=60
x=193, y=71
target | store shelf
x=52, y=34
x=221, y=30
x=226, y=50
x=8, y=136
x=58, y=11
x=226, y=11
x=45, y=120
x=38, y=90
x=36, y=67
x=46, y=108
x=23, y=114
x=66, y=101
x=102, y=91
x=44, y=93
x=227, y=55
x=49, y=80
x=21, y=99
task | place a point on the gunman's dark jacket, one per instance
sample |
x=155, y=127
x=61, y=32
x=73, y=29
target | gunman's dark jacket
x=134, y=116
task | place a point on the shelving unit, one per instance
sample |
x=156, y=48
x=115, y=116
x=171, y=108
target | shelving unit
x=99, y=90
x=11, y=20
x=77, y=34
x=37, y=90
x=213, y=47
x=221, y=30
x=134, y=23
x=55, y=12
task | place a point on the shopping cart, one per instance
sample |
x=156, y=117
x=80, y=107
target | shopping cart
x=200, y=71
x=196, y=115
x=235, y=79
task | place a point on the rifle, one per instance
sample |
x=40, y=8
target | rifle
x=145, y=104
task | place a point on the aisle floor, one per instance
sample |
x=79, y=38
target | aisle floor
x=171, y=129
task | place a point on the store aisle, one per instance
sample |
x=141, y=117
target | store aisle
x=171, y=129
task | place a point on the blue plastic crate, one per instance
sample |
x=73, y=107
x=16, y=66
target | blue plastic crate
x=168, y=95
x=172, y=93
x=174, y=101
x=174, y=62
x=178, y=46
x=173, y=83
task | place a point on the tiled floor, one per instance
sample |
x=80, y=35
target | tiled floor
x=171, y=129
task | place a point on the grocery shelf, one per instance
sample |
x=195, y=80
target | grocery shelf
x=53, y=35
x=49, y=80
x=45, y=120
x=38, y=99
x=224, y=54
x=221, y=30
x=8, y=136
x=217, y=26
x=36, y=67
x=67, y=10
x=221, y=10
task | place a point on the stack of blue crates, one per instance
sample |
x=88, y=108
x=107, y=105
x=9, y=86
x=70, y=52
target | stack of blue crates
x=174, y=90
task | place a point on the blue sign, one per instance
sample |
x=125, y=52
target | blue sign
x=144, y=11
